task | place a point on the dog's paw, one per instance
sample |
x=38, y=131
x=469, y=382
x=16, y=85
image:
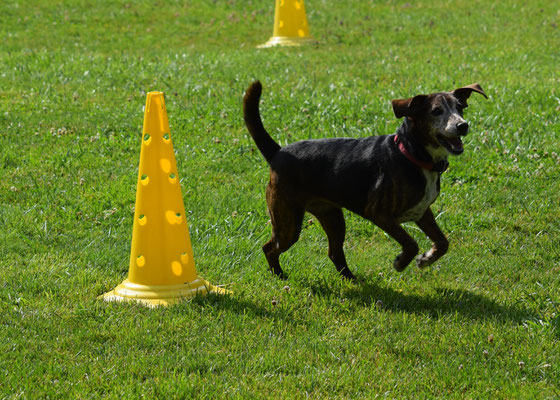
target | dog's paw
x=398, y=264
x=280, y=275
x=423, y=260
x=347, y=274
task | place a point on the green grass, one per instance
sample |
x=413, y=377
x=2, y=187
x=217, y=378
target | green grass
x=484, y=322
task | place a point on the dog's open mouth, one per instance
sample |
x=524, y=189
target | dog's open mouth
x=454, y=144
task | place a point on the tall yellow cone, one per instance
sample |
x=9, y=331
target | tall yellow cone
x=161, y=269
x=290, y=25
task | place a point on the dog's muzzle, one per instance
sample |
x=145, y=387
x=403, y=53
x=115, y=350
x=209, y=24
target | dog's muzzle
x=462, y=128
x=452, y=144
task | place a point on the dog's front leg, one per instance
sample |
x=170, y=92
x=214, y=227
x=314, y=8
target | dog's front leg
x=409, y=246
x=430, y=227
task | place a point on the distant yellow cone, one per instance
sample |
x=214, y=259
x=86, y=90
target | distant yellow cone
x=161, y=269
x=290, y=25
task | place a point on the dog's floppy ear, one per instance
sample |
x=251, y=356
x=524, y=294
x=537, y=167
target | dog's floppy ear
x=407, y=107
x=463, y=93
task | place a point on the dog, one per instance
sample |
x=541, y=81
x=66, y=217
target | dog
x=387, y=179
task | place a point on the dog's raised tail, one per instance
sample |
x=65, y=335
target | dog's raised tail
x=266, y=145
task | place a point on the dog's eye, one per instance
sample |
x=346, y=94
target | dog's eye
x=437, y=111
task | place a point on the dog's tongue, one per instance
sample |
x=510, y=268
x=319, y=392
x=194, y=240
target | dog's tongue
x=455, y=143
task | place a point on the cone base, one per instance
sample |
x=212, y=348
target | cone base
x=160, y=295
x=287, y=41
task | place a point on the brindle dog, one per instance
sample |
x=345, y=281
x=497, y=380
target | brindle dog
x=387, y=179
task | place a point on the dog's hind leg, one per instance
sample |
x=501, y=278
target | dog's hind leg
x=273, y=257
x=286, y=227
x=332, y=221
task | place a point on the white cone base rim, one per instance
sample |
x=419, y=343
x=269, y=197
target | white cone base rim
x=287, y=41
x=155, y=295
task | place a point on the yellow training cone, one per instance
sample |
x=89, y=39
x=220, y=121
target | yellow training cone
x=161, y=270
x=290, y=25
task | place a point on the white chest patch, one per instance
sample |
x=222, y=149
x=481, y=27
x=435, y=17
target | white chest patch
x=416, y=212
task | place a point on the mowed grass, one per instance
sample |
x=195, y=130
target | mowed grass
x=484, y=322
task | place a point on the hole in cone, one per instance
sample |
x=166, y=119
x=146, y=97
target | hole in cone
x=140, y=260
x=172, y=178
x=165, y=165
x=144, y=179
x=142, y=220
x=176, y=268
x=166, y=137
x=170, y=217
x=184, y=258
x=173, y=217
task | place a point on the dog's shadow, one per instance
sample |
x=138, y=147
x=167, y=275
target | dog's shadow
x=437, y=304
x=441, y=302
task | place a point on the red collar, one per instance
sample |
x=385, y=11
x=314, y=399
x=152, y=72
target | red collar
x=437, y=167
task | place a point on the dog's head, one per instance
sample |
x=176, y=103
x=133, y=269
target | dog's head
x=438, y=118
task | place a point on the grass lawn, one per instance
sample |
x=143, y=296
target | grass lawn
x=484, y=322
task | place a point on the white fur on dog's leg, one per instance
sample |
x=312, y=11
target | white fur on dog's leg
x=423, y=260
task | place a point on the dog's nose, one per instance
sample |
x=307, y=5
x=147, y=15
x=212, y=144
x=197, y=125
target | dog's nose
x=462, y=128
